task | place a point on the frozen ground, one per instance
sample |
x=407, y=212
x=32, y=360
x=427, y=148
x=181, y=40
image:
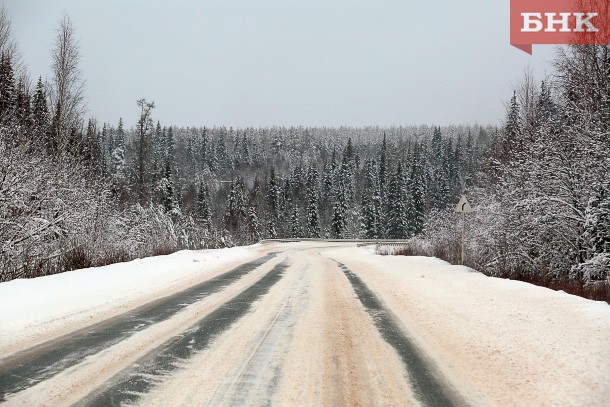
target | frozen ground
x=316, y=324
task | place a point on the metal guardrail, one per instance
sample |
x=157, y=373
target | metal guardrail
x=360, y=242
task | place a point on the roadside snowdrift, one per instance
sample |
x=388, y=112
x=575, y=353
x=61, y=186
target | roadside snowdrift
x=34, y=310
x=509, y=342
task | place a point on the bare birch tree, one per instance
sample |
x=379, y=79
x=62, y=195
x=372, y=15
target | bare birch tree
x=143, y=142
x=8, y=45
x=67, y=86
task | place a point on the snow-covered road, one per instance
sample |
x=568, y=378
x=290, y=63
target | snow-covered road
x=307, y=323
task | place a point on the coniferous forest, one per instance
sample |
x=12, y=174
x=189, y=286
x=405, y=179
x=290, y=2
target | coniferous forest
x=75, y=192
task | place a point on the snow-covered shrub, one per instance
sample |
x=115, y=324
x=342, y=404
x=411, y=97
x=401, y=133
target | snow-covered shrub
x=441, y=231
x=47, y=205
x=146, y=230
x=595, y=269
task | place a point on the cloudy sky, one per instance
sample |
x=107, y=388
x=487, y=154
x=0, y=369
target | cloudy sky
x=287, y=62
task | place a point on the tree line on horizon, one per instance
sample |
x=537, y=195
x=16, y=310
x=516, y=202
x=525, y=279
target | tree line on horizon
x=78, y=193
x=246, y=184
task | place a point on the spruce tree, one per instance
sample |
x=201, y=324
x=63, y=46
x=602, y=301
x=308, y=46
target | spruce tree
x=246, y=159
x=170, y=202
x=101, y=152
x=203, y=212
x=204, y=149
x=213, y=161
x=286, y=206
x=545, y=107
x=117, y=160
x=371, y=204
x=346, y=174
x=383, y=168
x=468, y=161
x=397, y=222
x=296, y=230
x=416, y=188
x=436, y=146
x=254, y=228
x=339, y=220
x=455, y=173
x=40, y=109
x=444, y=176
x=23, y=109
x=327, y=181
x=271, y=231
x=512, y=131
x=8, y=91
x=88, y=147
x=273, y=197
x=222, y=155
x=234, y=212
x=438, y=168
x=313, y=216
x=170, y=144
x=159, y=153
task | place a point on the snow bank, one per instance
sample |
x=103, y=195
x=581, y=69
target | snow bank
x=505, y=342
x=34, y=310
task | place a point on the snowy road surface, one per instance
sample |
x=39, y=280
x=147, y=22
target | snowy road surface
x=307, y=323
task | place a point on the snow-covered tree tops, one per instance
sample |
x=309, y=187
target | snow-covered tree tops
x=540, y=183
x=542, y=199
x=152, y=188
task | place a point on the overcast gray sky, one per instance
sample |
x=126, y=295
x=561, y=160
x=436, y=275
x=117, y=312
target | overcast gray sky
x=287, y=62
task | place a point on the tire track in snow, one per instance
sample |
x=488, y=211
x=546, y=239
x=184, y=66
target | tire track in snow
x=29, y=367
x=140, y=377
x=258, y=376
x=428, y=387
